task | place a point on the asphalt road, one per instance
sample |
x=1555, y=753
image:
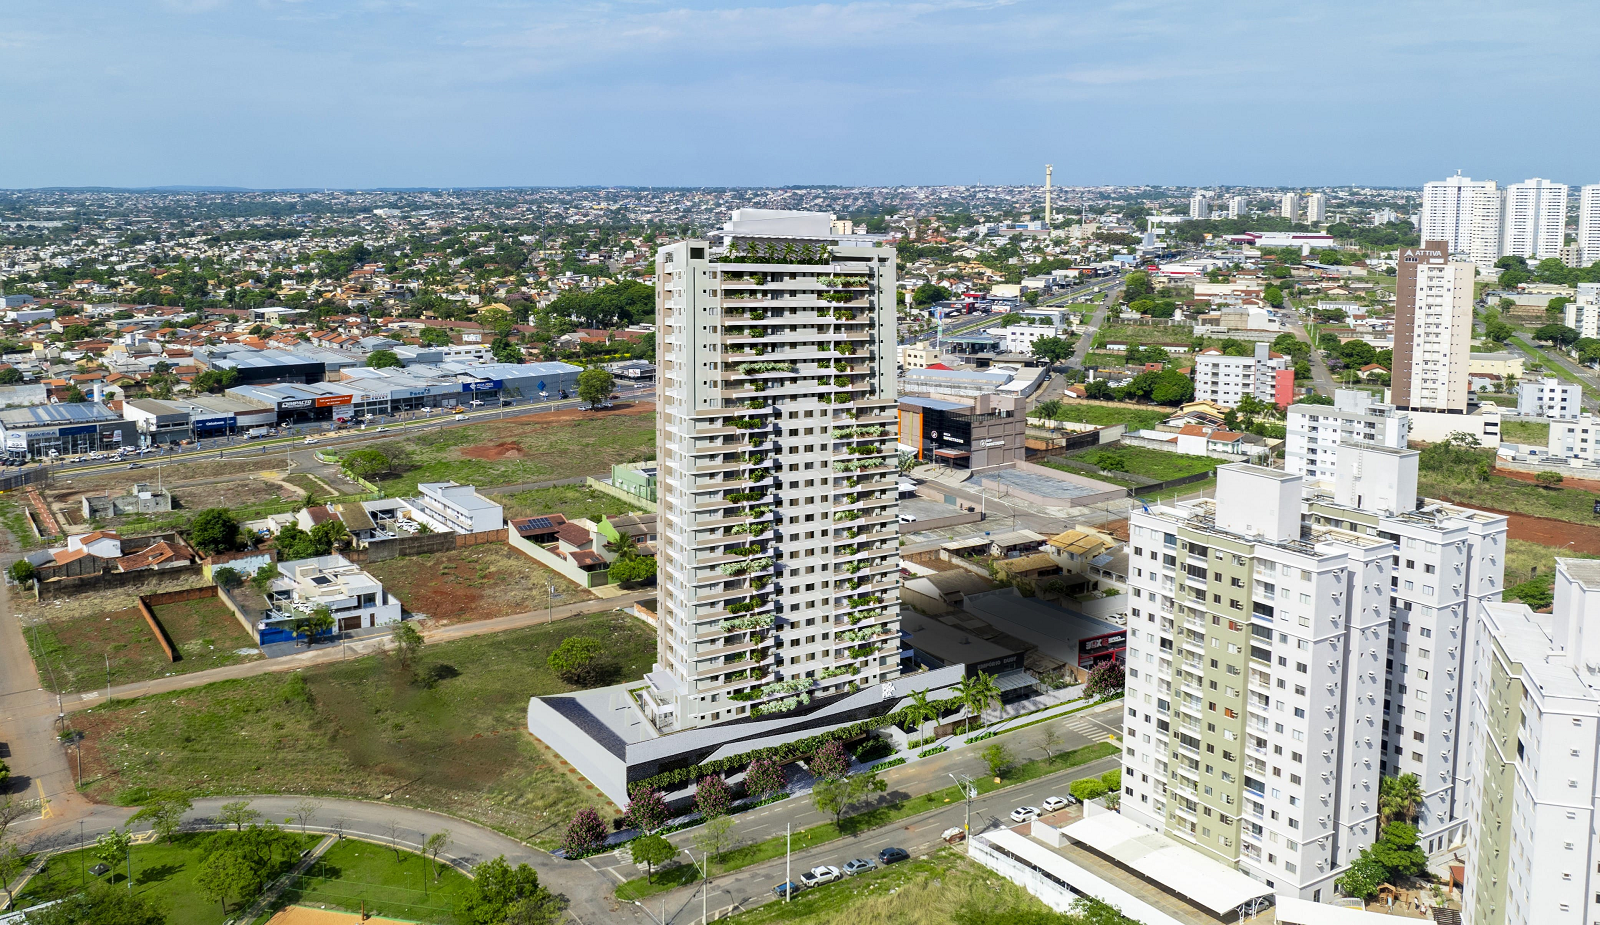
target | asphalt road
x=1320, y=376
x=1086, y=342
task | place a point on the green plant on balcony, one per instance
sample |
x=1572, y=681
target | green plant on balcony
x=740, y=497
x=735, y=657
x=855, y=567
x=844, y=550
x=744, y=550
x=759, y=386
x=781, y=706
x=865, y=599
x=756, y=513
x=756, y=403
x=853, y=635
x=834, y=672
x=862, y=651
x=765, y=366
x=841, y=382
x=757, y=475
x=760, y=581
x=757, y=314
x=790, y=686
x=745, y=606
x=846, y=349
x=757, y=622
x=851, y=533
x=837, y=296
x=864, y=449
x=841, y=516
x=748, y=423
x=844, y=314
x=734, y=678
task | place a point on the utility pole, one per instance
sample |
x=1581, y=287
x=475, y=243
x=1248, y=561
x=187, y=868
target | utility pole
x=788, y=882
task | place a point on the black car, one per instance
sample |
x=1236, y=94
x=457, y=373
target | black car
x=893, y=855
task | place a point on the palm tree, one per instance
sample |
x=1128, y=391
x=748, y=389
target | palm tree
x=976, y=693
x=1049, y=408
x=624, y=546
x=906, y=462
x=1399, y=797
x=920, y=710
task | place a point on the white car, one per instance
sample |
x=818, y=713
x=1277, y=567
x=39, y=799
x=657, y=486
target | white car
x=1055, y=804
x=1025, y=814
x=817, y=876
x=908, y=518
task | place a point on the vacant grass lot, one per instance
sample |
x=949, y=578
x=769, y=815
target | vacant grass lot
x=924, y=891
x=355, y=875
x=529, y=449
x=75, y=649
x=476, y=583
x=572, y=500
x=364, y=729
x=1503, y=494
x=1534, y=432
x=681, y=874
x=1152, y=464
x=1137, y=417
x=1522, y=557
x=162, y=873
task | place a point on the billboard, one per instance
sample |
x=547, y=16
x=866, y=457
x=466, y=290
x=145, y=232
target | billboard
x=1099, y=648
x=78, y=429
x=328, y=401
x=213, y=422
x=482, y=385
x=294, y=404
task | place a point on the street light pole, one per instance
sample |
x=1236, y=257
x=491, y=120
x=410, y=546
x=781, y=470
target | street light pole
x=788, y=882
x=968, y=792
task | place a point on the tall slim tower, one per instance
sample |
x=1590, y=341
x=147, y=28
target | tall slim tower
x=1048, y=223
x=1465, y=215
x=1433, y=329
x=1589, y=225
x=1289, y=206
x=1533, y=219
x=776, y=438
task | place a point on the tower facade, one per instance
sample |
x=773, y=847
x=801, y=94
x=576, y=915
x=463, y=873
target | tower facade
x=1433, y=329
x=1465, y=214
x=1533, y=219
x=776, y=434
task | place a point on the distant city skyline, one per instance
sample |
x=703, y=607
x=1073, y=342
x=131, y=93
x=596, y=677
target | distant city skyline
x=268, y=94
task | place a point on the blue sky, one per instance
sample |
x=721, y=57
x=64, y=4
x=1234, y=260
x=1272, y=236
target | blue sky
x=356, y=93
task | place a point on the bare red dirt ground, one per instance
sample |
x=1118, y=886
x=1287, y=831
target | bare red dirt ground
x=1580, y=484
x=493, y=451
x=1547, y=531
x=628, y=409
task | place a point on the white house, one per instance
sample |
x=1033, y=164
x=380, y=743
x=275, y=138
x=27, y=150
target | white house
x=457, y=508
x=355, y=598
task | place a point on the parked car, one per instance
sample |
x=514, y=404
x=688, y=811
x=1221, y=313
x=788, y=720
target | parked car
x=953, y=834
x=786, y=889
x=1025, y=814
x=859, y=866
x=819, y=875
x=1055, y=804
x=310, y=440
x=893, y=856
x=908, y=518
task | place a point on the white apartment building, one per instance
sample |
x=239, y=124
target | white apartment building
x=1238, y=206
x=1316, y=208
x=1351, y=606
x=1314, y=432
x=1019, y=338
x=1533, y=219
x=1549, y=398
x=1465, y=214
x=1255, y=646
x=455, y=507
x=1582, y=314
x=1533, y=845
x=778, y=546
x=1577, y=437
x=1433, y=329
x=1589, y=225
x=1200, y=204
x=1227, y=379
x=1289, y=206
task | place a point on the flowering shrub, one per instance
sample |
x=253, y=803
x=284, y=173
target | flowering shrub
x=585, y=834
x=713, y=797
x=647, y=811
x=830, y=761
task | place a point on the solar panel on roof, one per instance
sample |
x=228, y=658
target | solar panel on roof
x=539, y=522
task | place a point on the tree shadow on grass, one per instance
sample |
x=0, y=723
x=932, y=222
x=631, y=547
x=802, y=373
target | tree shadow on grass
x=157, y=874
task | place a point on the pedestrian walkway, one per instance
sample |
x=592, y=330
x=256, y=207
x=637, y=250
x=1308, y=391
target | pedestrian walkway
x=270, y=894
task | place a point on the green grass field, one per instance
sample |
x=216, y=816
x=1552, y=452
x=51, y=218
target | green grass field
x=164, y=874
x=1503, y=494
x=530, y=449
x=1152, y=464
x=923, y=891
x=355, y=875
x=1535, y=432
x=1137, y=417
x=571, y=500
x=364, y=729
x=682, y=874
